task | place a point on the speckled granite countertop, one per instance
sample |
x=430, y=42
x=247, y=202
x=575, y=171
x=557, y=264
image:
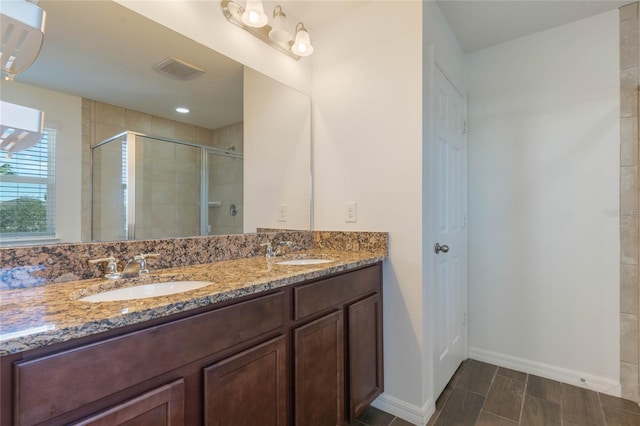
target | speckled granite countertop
x=40, y=316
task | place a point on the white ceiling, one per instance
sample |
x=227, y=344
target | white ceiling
x=479, y=24
x=103, y=51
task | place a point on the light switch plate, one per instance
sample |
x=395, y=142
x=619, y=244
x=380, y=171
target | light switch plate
x=351, y=212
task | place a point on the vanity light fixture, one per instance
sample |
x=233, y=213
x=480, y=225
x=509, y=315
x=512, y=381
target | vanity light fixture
x=21, y=127
x=22, y=32
x=278, y=35
x=182, y=110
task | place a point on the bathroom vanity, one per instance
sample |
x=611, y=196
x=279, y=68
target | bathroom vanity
x=302, y=348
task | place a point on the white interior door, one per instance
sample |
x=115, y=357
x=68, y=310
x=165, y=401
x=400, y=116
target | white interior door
x=450, y=246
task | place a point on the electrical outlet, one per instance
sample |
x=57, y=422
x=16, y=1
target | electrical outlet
x=351, y=212
x=282, y=212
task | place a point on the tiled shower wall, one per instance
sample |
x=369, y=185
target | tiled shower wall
x=167, y=190
x=226, y=183
x=629, y=205
x=226, y=191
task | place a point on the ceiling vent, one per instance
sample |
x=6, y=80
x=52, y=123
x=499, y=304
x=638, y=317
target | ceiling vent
x=176, y=68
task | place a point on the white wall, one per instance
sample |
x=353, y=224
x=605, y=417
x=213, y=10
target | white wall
x=204, y=22
x=277, y=154
x=543, y=172
x=63, y=112
x=367, y=141
x=370, y=109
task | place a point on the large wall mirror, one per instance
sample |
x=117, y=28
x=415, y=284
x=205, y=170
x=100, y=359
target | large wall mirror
x=126, y=164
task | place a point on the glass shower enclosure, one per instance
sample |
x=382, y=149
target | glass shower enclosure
x=147, y=187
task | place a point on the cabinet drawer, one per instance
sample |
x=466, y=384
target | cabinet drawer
x=321, y=295
x=50, y=386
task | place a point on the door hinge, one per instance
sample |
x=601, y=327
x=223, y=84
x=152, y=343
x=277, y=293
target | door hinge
x=464, y=319
x=464, y=127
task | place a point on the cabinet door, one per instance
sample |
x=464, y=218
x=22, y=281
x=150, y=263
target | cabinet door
x=318, y=370
x=249, y=388
x=365, y=353
x=161, y=406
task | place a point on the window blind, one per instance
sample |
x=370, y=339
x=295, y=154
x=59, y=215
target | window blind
x=27, y=190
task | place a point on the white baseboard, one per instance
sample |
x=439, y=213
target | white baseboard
x=572, y=377
x=409, y=412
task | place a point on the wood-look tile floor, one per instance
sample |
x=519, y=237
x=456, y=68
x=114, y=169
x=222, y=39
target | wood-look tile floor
x=481, y=394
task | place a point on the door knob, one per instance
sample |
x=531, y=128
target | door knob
x=441, y=248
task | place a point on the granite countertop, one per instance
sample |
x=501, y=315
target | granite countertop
x=41, y=316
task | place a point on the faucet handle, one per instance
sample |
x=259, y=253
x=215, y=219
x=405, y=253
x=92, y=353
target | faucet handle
x=146, y=255
x=269, y=251
x=142, y=261
x=111, y=269
x=281, y=249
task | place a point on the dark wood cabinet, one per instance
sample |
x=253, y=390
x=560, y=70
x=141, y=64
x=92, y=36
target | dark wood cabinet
x=249, y=388
x=308, y=354
x=66, y=381
x=163, y=406
x=319, y=371
x=365, y=353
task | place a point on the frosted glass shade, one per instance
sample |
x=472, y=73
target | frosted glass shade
x=280, y=32
x=302, y=45
x=22, y=31
x=254, y=15
x=20, y=127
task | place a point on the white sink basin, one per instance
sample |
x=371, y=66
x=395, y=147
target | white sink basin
x=302, y=262
x=145, y=291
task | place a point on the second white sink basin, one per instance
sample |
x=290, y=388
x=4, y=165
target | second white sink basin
x=306, y=261
x=145, y=291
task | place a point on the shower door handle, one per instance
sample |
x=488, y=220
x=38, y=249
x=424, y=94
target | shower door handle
x=441, y=248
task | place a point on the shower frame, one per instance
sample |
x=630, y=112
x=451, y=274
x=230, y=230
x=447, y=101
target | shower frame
x=131, y=137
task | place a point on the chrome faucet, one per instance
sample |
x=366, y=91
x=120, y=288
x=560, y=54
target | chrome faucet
x=280, y=250
x=137, y=265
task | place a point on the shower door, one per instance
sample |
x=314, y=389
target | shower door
x=166, y=191
x=109, y=190
x=224, y=193
x=147, y=187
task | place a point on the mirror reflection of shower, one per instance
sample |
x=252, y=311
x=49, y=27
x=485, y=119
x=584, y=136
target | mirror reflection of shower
x=146, y=187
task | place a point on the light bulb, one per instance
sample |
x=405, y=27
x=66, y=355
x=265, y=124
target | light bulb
x=254, y=15
x=302, y=44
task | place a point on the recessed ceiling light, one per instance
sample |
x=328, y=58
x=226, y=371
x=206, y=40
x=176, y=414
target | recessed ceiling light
x=182, y=110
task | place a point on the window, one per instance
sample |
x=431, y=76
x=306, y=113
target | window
x=27, y=191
